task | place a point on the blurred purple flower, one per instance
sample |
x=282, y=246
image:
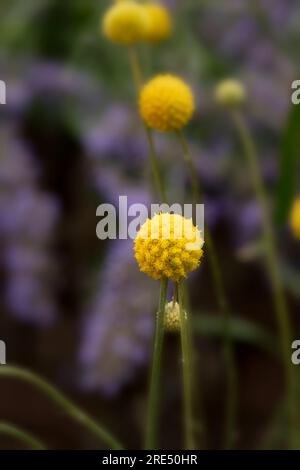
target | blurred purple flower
x=32, y=216
x=239, y=37
x=117, y=328
x=53, y=83
x=30, y=299
x=116, y=140
x=22, y=258
x=28, y=219
x=17, y=166
x=245, y=221
x=278, y=12
x=270, y=99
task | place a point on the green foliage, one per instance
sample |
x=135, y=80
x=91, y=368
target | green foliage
x=240, y=330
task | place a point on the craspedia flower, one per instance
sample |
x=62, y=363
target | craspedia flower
x=126, y=23
x=168, y=246
x=230, y=93
x=295, y=219
x=160, y=23
x=172, y=317
x=166, y=103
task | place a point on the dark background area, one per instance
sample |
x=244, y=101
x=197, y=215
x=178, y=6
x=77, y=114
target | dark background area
x=76, y=309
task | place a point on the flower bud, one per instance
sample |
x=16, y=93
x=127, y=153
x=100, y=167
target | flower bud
x=172, y=317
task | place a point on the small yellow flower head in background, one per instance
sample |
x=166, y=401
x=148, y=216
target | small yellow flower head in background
x=166, y=103
x=230, y=94
x=160, y=23
x=168, y=246
x=125, y=23
x=295, y=219
x=172, y=317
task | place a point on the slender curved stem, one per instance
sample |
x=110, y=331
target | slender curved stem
x=136, y=69
x=186, y=370
x=138, y=81
x=231, y=396
x=21, y=435
x=16, y=372
x=282, y=313
x=154, y=391
x=190, y=166
x=159, y=183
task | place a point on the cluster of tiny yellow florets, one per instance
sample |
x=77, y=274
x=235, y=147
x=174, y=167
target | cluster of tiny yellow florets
x=168, y=246
x=125, y=23
x=166, y=103
x=230, y=93
x=295, y=219
x=172, y=320
x=129, y=22
x=160, y=23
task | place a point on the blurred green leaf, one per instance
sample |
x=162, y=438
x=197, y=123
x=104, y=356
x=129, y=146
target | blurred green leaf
x=290, y=154
x=251, y=251
x=241, y=330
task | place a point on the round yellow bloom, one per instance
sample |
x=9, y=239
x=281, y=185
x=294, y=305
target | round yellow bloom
x=166, y=103
x=172, y=317
x=160, y=23
x=168, y=246
x=230, y=93
x=295, y=219
x=126, y=23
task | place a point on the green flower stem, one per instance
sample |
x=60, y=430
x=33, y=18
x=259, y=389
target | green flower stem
x=190, y=166
x=21, y=435
x=154, y=391
x=136, y=69
x=159, y=183
x=138, y=81
x=186, y=370
x=231, y=396
x=59, y=399
x=282, y=313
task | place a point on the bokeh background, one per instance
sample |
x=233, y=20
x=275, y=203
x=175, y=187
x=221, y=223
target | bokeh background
x=75, y=308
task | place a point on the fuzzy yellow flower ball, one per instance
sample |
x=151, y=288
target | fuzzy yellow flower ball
x=160, y=23
x=166, y=103
x=126, y=23
x=295, y=219
x=230, y=93
x=172, y=317
x=168, y=246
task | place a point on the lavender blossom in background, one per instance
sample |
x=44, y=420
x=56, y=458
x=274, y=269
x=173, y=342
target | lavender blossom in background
x=246, y=32
x=54, y=84
x=117, y=327
x=279, y=13
x=28, y=219
x=246, y=223
x=114, y=139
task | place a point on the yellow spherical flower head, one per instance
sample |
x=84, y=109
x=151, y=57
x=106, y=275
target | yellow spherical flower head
x=125, y=23
x=160, y=23
x=166, y=103
x=230, y=94
x=295, y=219
x=168, y=246
x=172, y=317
